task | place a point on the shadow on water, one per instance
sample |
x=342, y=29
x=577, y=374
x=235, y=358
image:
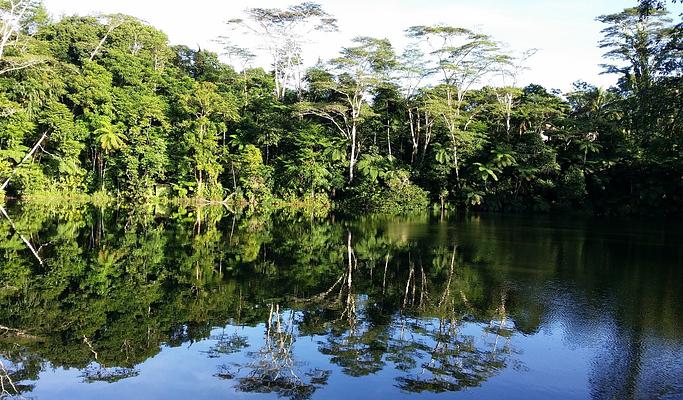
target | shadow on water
x=297, y=307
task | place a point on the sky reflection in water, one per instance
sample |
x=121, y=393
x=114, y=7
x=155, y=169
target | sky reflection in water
x=205, y=305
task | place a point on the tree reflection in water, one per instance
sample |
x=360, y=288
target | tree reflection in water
x=99, y=373
x=16, y=369
x=273, y=368
x=408, y=298
x=455, y=360
x=7, y=376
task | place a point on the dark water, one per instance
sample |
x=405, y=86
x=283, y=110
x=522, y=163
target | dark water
x=207, y=305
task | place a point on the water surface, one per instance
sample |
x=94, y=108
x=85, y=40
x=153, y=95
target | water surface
x=204, y=304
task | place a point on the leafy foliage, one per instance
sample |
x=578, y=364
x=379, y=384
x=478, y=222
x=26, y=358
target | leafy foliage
x=102, y=104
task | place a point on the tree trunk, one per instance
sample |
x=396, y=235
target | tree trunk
x=103, y=166
x=15, y=13
x=413, y=135
x=23, y=238
x=114, y=24
x=30, y=153
x=455, y=158
x=352, y=160
x=428, y=134
x=389, y=137
x=508, y=112
x=277, y=80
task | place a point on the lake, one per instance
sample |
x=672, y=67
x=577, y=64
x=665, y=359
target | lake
x=179, y=303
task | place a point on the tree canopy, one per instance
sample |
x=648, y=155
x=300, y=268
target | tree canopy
x=103, y=105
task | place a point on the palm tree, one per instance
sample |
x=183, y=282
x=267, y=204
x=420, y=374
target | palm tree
x=110, y=139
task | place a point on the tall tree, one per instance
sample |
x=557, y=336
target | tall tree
x=354, y=74
x=461, y=59
x=413, y=70
x=646, y=7
x=636, y=44
x=642, y=52
x=282, y=33
x=509, y=72
x=18, y=22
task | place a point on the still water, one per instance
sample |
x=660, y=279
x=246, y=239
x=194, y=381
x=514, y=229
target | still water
x=204, y=304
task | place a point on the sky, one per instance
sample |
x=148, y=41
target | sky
x=564, y=31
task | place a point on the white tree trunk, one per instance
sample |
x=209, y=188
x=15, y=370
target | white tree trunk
x=352, y=160
x=30, y=153
x=414, y=136
x=10, y=24
x=23, y=238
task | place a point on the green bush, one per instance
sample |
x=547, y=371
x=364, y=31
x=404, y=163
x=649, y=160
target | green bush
x=254, y=175
x=571, y=190
x=392, y=194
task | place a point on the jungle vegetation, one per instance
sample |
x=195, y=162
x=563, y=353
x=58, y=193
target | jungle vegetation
x=103, y=106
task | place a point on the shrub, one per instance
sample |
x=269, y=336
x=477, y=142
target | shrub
x=394, y=193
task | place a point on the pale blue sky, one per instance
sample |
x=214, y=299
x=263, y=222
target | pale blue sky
x=564, y=31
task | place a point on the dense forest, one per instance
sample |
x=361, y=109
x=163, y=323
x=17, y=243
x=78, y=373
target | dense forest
x=103, y=107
